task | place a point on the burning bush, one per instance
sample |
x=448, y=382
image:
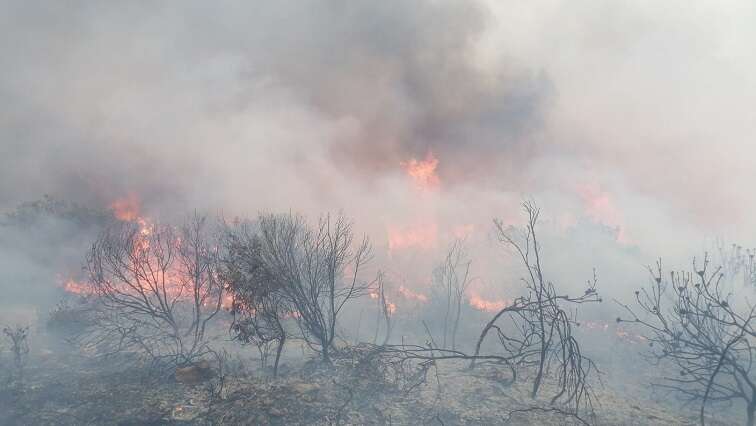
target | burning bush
x=156, y=290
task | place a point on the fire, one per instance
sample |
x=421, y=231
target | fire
x=77, y=287
x=411, y=295
x=423, y=236
x=127, y=208
x=619, y=332
x=628, y=336
x=423, y=172
x=599, y=206
x=484, y=305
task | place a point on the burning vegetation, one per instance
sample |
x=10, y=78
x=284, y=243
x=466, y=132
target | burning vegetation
x=177, y=306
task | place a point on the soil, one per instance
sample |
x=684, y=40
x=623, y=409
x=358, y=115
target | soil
x=68, y=389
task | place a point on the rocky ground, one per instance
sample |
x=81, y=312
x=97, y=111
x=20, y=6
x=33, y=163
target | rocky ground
x=66, y=389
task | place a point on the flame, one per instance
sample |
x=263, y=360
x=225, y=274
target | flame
x=492, y=306
x=619, y=332
x=411, y=295
x=599, y=206
x=77, y=287
x=628, y=336
x=423, y=236
x=423, y=172
x=127, y=208
x=391, y=308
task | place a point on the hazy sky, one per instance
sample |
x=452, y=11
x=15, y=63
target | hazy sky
x=637, y=114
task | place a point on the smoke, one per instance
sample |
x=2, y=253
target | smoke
x=629, y=115
x=109, y=99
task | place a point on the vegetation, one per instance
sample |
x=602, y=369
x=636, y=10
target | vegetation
x=693, y=325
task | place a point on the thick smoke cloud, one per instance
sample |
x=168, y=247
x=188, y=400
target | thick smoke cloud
x=622, y=114
x=108, y=99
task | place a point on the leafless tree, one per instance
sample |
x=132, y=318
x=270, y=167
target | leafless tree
x=737, y=262
x=539, y=331
x=452, y=277
x=156, y=290
x=259, y=306
x=19, y=345
x=693, y=324
x=317, y=269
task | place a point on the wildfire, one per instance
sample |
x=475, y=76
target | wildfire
x=423, y=172
x=599, y=207
x=423, y=236
x=391, y=308
x=77, y=287
x=620, y=332
x=127, y=208
x=484, y=305
x=411, y=295
x=629, y=337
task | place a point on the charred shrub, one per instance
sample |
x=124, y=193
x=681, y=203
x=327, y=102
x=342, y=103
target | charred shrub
x=536, y=331
x=316, y=271
x=259, y=307
x=17, y=338
x=70, y=317
x=700, y=335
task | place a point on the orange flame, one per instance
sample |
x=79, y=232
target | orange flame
x=600, y=207
x=423, y=172
x=127, y=208
x=423, y=236
x=620, y=332
x=481, y=304
x=411, y=295
x=77, y=287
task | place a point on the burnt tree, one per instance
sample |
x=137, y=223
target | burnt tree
x=694, y=326
x=451, y=279
x=19, y=347
x=155, y=289
x=538, y=330
x=317, y=269
x=258, y=305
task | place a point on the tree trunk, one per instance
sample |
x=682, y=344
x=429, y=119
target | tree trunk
x=326, y=354
x=279, y=349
